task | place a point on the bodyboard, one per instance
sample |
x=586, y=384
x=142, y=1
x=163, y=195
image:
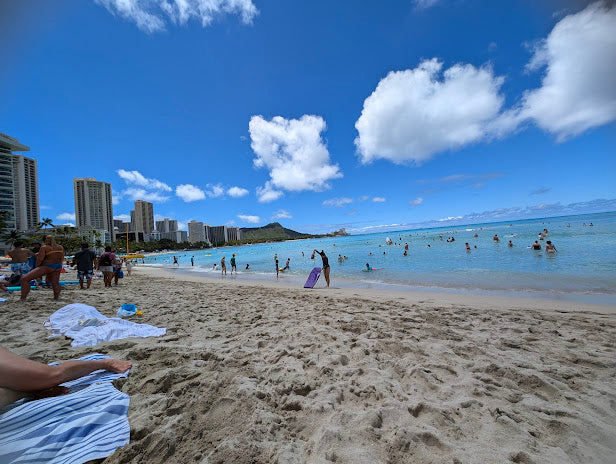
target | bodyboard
x=313, y=277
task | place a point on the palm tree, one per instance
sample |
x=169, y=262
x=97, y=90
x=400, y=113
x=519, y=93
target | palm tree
x=46, y=222
x=11, y=236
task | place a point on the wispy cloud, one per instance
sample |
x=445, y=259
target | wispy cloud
x=424, y=4
x=416, y=202
x=142, y=194
x=249, y=218
x=337, y=202
x=541, y=191
x=138, y=179
x=282, y=214
x=140, y=187
x=500, y=214
x=154, y=15
x=66, y=217
x=455, y=181
x=379, y=199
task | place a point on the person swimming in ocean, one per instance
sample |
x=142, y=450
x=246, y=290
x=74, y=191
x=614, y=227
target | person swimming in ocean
x=536, y=245
x=549, y=247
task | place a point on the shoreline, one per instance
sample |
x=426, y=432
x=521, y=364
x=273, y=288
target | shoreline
x=484, y=301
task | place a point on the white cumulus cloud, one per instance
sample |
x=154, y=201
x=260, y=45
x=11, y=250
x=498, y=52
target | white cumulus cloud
x=293, y=152
x=249, y=219
x=337, y=202
x=267, y=193
x=122, y=217
x=138, y=179
x=414, y=114
x=66, y=217
x=142, y=194
x=379, y=199
x=215, y=190
x=237, y=192
x=416, y=202
x=188, y=192
x=282, y=214
x=578, y=90
x=152, y=15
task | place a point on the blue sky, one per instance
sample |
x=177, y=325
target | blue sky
x=318, y=114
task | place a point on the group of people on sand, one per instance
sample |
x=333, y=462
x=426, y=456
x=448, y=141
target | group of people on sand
x=47, y=260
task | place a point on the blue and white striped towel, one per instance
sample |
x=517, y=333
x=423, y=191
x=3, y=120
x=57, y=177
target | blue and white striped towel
x=87, y=327
x=86, y=424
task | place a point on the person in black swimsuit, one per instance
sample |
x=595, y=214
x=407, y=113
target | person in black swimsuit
x=536, y=245
x=325, y=265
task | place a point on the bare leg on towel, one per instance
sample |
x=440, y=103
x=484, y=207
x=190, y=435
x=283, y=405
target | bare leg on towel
x=24, y=377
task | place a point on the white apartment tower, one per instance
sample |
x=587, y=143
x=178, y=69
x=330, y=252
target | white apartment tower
x=196, y=232
x=19, y=195
x=144, y=217
x=93, y=205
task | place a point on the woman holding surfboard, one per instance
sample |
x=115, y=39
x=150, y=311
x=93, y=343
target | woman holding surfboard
x=325, y=265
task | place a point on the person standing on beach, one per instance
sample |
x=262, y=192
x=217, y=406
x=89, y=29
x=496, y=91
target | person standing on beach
x=233, y=266
x=223, y=266
x=276, y=264
x=105, y=265
x=49, y=263
x=325, y=265
x=192, y=260
x=20, y=264
x=175, y=261
x=85, y=260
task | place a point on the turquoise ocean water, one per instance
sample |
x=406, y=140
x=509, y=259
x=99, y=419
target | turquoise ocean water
x=583, y=269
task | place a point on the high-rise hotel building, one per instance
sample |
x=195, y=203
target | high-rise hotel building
x=19, y=195
x=93, y=205
x=144, y=217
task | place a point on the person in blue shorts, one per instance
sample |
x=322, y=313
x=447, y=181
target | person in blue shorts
x=85, y=260
x=49, y=262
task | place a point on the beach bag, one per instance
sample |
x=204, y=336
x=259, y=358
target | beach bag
x=14, y=279
x=105, y=260
x=120, y=274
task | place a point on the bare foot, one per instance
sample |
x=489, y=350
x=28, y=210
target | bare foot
x=118, y=366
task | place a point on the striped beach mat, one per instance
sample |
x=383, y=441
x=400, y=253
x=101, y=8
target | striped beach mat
x=87, y=327
x=88, y=423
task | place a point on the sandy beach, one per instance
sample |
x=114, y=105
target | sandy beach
x=252, y=372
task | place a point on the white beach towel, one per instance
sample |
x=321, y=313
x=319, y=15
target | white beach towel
x=87, y=327
x=88, y=423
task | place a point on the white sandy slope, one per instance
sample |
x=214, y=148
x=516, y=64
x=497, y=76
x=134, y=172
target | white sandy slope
x=263, y=373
